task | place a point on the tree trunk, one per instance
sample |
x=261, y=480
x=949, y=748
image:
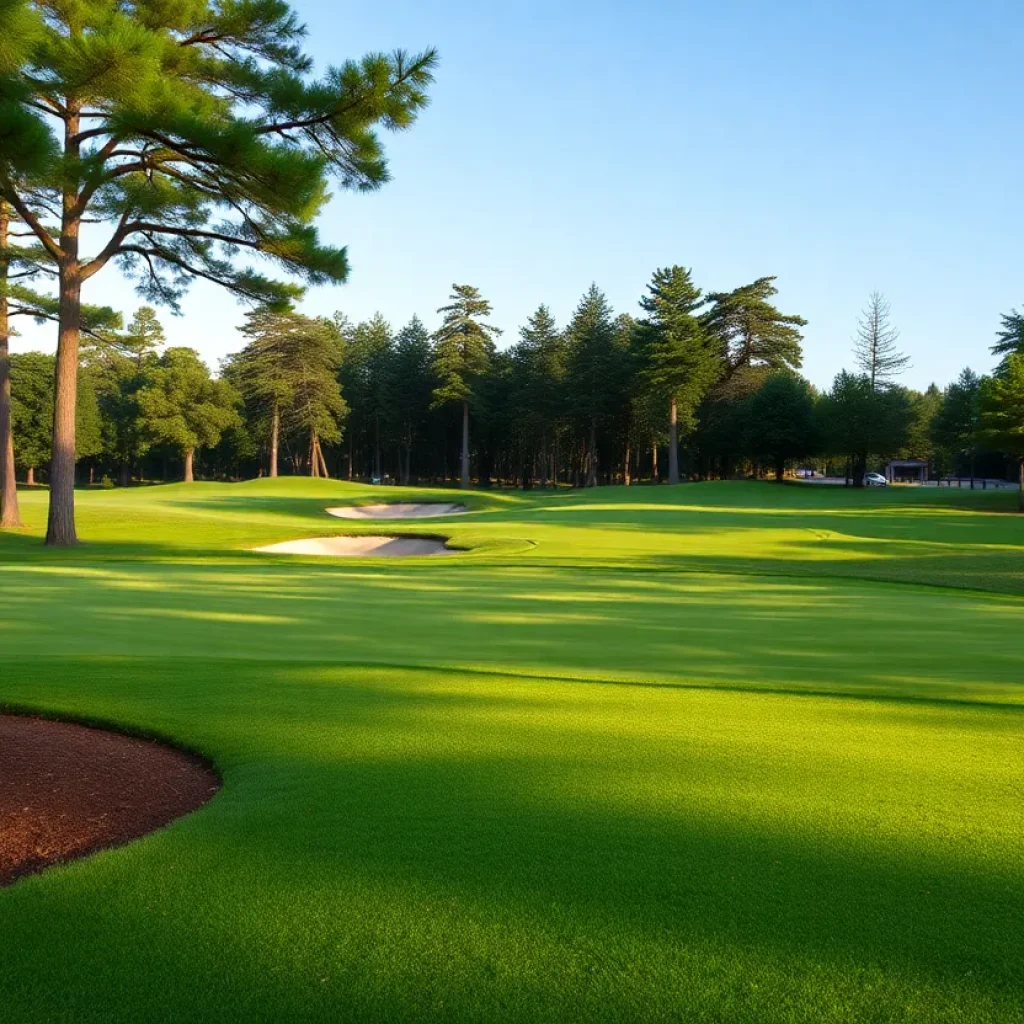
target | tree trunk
x=780, y=470
x=376, y=446
x=275, y=438
x=189, y=453
x=673, y=443
x=654, y=462
x=464, y=473
x=9, y=513
x=124, y=476
x=30, y=476
x=625, y=466
x=1020, y=481
x=60, y=526
x=592, y=454
x=323, y=462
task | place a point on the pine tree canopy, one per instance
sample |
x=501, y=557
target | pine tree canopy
x=463, y=345
x=681, y=357
x=290, y=365
x=196, y=130
x=1002, y=408
x=1011, y=334
x=593, y=356
x=752, y=331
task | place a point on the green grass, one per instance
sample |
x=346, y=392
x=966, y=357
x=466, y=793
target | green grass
x=722, y=752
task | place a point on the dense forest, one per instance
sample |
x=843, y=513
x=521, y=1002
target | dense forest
x=692, y=386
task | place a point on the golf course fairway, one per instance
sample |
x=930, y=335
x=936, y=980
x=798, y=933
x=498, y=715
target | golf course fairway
x=714, y=752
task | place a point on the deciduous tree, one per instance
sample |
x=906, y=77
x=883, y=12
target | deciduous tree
x=184, y=407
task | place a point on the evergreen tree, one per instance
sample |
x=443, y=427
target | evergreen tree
x=1002, y=412
x=781, y=421
x=681, y=356
x=540, y=358
x=751, y=331
x=463, y=348
x=144, y=335
x=411, y=384
x=370, y=349
x=286, y=353
x=195, y=131
x=184, y=407
x=874, y=347
x=318, y=408
x=924, y=408
x=955, y=428
x=593, y=361
x=859, y=420
x=1011, y=336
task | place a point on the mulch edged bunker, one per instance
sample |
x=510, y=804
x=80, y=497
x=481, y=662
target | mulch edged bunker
x=67, y=790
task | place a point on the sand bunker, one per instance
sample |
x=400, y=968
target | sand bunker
x=68, y=790
x=361, y=547
x=397, y=511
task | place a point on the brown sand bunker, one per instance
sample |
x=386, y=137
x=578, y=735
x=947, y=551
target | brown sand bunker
x=397, y=511
x=68, y=790
x=361, y=547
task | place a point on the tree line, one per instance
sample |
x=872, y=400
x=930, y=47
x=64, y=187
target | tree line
x=694, y=386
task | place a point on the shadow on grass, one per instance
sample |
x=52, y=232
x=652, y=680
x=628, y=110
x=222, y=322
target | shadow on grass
x=447, y=851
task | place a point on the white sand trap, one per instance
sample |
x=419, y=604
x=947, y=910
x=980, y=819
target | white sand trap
x=399, y=510
x=361, y=547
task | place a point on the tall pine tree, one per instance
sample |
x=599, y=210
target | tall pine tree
x=681, y=356
x=593, y=362
x=195, y=131
x=463, y=348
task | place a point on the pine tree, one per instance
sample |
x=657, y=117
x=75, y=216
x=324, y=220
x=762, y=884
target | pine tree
x=875, y=344
x=681, y=357
x=1011, y=335
x=463, y=348
x=196, y=132
x=751, y=331
x=286, y=375
x=410, y=387
x=540, y=356
x=184, y=407
x=955, y=428
x=592, y=373
x=143, y=337
x=1002, y=412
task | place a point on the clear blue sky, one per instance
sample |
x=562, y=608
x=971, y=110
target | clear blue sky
x=844, y=147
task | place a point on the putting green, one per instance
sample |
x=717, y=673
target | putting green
x=718, y=752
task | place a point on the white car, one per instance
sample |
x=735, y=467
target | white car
x=875, y=480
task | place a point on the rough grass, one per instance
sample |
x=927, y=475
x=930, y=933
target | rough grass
x=718, y=752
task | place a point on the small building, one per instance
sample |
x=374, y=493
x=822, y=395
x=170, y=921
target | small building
x=907, y=471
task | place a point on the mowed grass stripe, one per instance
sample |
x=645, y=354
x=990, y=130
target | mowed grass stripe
x=529, y=833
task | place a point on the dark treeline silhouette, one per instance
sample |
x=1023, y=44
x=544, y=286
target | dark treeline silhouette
x=694, y=386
